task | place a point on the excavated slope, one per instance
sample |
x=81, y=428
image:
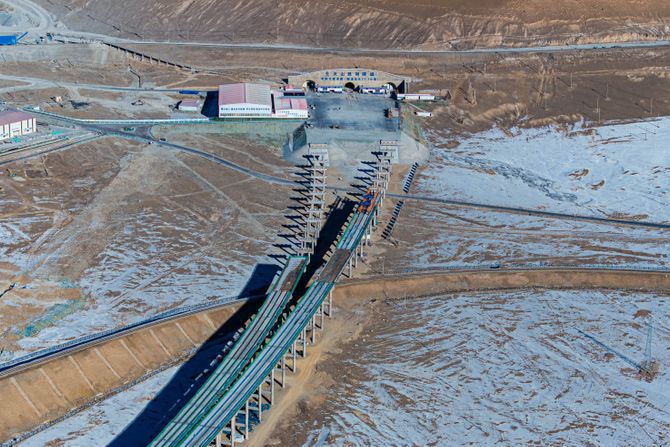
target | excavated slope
x=47, y=391
x=372, y=23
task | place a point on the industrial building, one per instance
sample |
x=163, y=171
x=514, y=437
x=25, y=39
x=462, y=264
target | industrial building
x=189, y=105
x=352, y=78
x=245, y=100
x=15, y=124
x=290, y=107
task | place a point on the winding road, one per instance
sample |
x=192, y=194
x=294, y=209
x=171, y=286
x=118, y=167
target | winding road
x=272, y=179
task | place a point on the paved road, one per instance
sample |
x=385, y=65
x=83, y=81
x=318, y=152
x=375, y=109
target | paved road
x=53, y=146
x=399, y=52
x=38, y=357
x=98, y=338
x=531, y=212
x=39, y=83
x=42, y=356
x=44, y=22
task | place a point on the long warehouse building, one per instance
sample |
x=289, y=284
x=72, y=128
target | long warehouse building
x=16, y=124
x=245, y=100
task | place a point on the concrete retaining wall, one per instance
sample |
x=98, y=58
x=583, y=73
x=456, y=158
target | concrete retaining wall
x=414, y=285
x=43, y=393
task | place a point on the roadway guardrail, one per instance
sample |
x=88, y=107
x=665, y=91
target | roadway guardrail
x=82, y=342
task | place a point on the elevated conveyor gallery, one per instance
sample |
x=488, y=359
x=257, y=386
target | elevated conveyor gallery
x=201, y=430
x=236, y=359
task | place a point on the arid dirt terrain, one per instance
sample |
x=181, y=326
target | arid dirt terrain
x=532, y=158
x=527, y=89
x=112, y=225
x=474, y=369
x=372, y=23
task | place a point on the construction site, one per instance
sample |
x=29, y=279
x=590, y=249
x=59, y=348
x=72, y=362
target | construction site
x=352, y=224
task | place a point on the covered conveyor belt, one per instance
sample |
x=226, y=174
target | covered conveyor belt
x=237, y=358
x=260, y=367
x=233, y=382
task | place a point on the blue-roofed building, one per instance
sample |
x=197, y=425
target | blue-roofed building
x=8, y=40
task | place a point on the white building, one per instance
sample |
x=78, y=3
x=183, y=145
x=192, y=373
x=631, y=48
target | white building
x=415, y=97
x=189, y=105
x=15, y=124
x=245, y=100
x=292, y=107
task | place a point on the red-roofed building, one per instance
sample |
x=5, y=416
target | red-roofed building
x=15, y=124
x=245, y=100
x=290, y=107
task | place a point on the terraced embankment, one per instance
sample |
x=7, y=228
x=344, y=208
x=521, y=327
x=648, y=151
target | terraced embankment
x=437, y=283
x=42, y=393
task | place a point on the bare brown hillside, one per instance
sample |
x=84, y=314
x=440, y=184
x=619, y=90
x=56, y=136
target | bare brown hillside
x=372, y=23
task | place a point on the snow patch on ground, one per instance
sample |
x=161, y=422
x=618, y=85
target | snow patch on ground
x=99, y=424
x=613, y=170
x=507, y=369
x=440, y=236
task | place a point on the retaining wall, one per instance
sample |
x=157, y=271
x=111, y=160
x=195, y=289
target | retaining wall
x=38, y=394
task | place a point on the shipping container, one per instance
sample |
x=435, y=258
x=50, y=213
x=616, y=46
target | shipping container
x=373, y=90
x=294, y=92
x=189, y=92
